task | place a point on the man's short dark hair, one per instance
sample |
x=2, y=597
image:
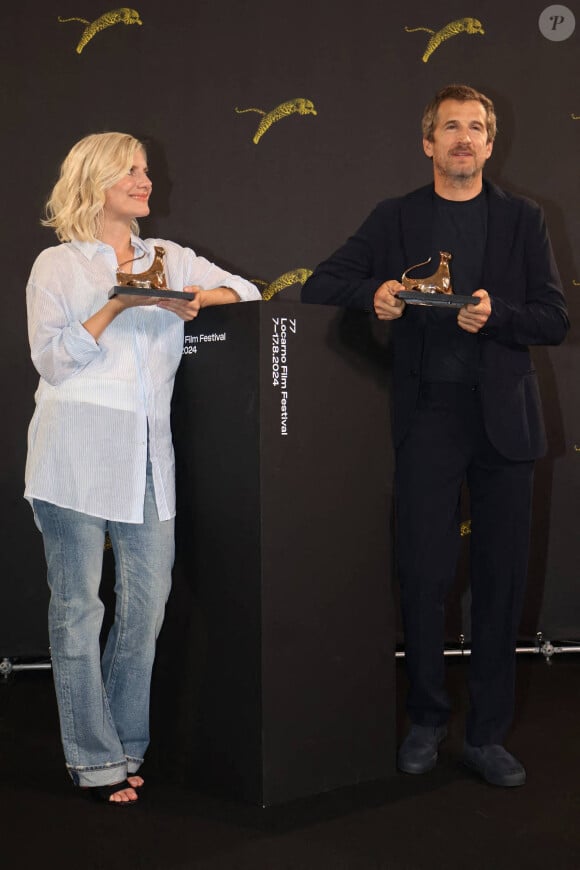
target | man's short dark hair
x=461, y=93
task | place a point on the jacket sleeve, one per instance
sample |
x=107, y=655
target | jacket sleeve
x=350, y=277
x=541, y=317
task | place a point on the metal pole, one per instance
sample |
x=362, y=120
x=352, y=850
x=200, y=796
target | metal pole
x=8, y=666
x=542, y=646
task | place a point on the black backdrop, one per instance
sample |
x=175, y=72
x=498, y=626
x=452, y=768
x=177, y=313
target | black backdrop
x=268, y=209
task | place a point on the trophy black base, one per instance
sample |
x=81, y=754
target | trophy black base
x=440, y=300
x=149, y=292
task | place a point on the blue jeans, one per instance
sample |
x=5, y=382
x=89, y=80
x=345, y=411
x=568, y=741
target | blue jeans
x=103, y=702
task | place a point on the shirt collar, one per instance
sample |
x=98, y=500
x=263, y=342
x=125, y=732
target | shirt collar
x=89, y=249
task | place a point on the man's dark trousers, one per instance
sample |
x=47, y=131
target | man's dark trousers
x=445, y=445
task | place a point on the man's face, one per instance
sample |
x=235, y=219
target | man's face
x=460, y=146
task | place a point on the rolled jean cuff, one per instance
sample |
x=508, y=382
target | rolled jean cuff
x=133, y=764
x=89, y=777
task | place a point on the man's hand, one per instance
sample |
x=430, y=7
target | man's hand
x=472, y=318
x=386, y=304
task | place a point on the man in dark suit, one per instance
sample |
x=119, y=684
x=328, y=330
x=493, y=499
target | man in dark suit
x=466, y=407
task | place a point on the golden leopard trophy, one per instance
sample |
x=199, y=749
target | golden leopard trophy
x=435, y=289
x=151, y=282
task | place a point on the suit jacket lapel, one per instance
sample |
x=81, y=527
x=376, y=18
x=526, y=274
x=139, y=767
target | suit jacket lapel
x=416, y=233
x=416, y=225
x=501, y=222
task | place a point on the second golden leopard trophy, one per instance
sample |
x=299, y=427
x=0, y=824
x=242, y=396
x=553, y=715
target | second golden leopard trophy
x=436, y=289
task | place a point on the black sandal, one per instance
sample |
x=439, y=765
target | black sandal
x=103, y=793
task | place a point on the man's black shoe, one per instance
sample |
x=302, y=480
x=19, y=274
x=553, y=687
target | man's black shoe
x=495, y=764
x=418, y=752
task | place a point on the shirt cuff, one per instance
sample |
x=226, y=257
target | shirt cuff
x=80, y=344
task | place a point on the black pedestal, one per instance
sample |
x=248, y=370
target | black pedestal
x=281, y=428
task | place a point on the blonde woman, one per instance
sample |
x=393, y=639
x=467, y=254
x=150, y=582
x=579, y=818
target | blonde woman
x=100, y=452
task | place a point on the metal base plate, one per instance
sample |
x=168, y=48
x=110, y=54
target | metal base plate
x=149, y=291
x=441, y=300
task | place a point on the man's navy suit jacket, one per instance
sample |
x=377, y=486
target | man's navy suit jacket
x=521, y=277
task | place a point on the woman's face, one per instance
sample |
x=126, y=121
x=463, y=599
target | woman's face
x=129, y=198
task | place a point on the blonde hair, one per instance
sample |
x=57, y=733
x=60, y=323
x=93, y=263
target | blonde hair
x=75, y=206
x=461, y=93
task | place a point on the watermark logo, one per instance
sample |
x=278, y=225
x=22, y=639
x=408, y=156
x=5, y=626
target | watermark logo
x=557, y=23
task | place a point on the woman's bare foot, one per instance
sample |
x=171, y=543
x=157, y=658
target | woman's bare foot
x=135, y=780
x=125, y=795
x=119, y=793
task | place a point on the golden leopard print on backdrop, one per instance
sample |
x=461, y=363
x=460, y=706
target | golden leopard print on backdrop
x=290, y=107
x=108, y=19
x=454, y=28
x=288, y=279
